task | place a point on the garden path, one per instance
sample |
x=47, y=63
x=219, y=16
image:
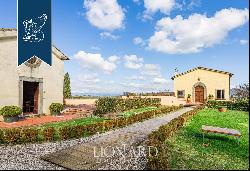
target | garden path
x=119, y=149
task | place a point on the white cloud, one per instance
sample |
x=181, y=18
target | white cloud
x=151, y=70
x=191, y=35
x=243, y=42
x=160, y=80
x=164, y=6
x=136, y=77
x=139, y=41
x=95, y=62
x=194, y=3
x=114, y=59
x=89, y=78
x=104, y=14
x=107, y=35
x=95, y=48
x=133, y=62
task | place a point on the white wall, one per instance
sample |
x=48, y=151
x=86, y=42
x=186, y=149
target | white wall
x=9, y=76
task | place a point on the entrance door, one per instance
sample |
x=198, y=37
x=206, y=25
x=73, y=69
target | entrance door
x=30, y=97
x=199, y=94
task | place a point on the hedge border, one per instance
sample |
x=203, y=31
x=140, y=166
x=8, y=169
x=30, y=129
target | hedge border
x=158, y=138
x=113, y=104
x=31, y=134
x=242, y=105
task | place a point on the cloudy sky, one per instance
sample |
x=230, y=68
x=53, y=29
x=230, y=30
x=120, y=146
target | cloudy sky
x=135, y=45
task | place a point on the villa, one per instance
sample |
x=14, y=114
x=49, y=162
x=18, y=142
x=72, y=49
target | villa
x=202, y=83
x=34, y=85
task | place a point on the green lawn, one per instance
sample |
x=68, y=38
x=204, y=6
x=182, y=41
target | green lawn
x=137, y=111
x=91, y=120
x=187, y=150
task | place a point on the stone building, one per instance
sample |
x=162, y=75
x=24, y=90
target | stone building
x=34, y=85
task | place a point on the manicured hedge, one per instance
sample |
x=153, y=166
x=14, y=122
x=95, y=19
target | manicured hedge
x=86, y=130
x=111, y=104
x=242, y=105
x=27, y=135
x=158, y=160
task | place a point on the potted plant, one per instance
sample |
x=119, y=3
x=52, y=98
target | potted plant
x=210, y=97
x=10, y=113
x=222, y=109
x=189, y=98
x=55, y=109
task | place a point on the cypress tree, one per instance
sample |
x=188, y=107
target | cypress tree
x=66, y=86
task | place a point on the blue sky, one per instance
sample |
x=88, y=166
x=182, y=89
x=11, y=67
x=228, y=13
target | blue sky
x=135, y=45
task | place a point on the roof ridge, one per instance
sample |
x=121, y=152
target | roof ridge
x=203, y=68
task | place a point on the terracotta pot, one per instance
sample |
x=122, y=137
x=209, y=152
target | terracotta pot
x=188, y=100
x=222, y=109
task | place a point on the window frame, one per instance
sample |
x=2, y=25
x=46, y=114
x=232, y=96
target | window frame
x=183, y=96
x=222, y=94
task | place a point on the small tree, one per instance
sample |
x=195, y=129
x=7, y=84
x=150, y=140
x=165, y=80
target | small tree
x=66, y=86
x=241, y=92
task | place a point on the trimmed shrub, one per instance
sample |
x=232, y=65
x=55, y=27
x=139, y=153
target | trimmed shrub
x=110, y=104
x=158, y=139
x=25, y=135
x=242, y=105
x=49, y=133
x=29, y=135
x=56, y=107
x=12, y=136
x=10, y=111
x=1, y=136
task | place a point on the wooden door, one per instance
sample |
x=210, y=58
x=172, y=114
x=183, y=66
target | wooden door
x=199, y=94
x=36, y=96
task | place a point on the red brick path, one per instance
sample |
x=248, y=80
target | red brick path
x=38, y=121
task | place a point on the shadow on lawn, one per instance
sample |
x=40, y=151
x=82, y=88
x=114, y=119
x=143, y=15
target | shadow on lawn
x=216, y=142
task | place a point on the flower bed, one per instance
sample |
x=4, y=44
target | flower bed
x=50, y=133
x=157, y=139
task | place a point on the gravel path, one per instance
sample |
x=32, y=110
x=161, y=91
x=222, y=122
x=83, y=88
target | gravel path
x=27, y=157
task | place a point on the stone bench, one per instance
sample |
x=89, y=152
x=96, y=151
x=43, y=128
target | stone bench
x=218, y=130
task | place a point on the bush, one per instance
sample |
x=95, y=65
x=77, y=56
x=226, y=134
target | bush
x=29, y=135
x=1, y=136
x=110, y=104
x=10, y=111
x=49, y=133
x=12, y=136
x=242, y=105
x=55, y=107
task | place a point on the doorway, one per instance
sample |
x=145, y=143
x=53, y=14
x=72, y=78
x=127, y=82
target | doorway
x=199, y=94
x=30, y=97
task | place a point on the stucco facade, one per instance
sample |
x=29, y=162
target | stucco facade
x=49, y=78
x=210, y=81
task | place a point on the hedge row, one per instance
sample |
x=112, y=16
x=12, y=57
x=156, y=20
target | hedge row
x=86, y=130
x=30, y=135
x=111, y=104
x=25, y=135
x=242, y=105
x=159, y=160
